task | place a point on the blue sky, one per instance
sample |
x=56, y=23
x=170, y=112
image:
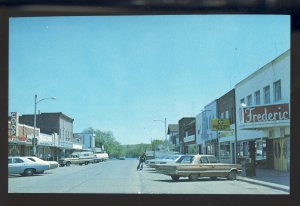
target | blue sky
x=119, y=73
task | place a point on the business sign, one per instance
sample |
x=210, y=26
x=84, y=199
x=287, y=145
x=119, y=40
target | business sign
x=189, y=138
x=220, y=124
x=266, y=113
x=14, y=124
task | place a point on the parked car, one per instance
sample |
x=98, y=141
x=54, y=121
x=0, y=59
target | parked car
x=52, y=164
x=166, y=159
x=25, y=167
x=78, y=158
x=195, y=166
x=96, y=159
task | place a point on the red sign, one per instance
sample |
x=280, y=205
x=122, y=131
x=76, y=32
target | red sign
x=266, y=113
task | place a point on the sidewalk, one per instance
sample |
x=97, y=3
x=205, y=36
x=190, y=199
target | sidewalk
x=270, y=178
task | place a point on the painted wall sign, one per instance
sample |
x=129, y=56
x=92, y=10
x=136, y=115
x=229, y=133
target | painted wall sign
x=266, y=113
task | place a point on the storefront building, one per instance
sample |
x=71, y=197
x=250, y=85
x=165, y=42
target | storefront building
x=263, y=113
x=207, y=139
x=187, y=137
x=227, y=138
x=49, y=146
x=173, y=137
x=50, y=123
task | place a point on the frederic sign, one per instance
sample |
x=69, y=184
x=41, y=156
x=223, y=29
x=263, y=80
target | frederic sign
x=266, y=113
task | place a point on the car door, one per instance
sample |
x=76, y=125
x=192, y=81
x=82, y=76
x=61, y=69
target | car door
x=204, y=166
x=218, y=169
x=16, y=166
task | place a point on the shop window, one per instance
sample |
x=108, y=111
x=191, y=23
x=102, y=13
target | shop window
x=225, y=150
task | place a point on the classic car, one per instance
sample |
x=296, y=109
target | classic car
x=25, y=167
x=195, y=166
x=167, y=159
x=52, y=164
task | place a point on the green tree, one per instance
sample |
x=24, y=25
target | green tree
x=107, y=140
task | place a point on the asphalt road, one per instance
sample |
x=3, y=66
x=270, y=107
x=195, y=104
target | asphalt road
x=121, y=176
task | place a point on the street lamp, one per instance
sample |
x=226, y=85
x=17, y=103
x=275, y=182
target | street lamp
x=165, y=122
x=34, y=140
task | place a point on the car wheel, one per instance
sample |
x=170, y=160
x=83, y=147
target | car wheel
x=68, y=164
x=175, y=178
x=86, y=163
x=232, y=175
x=28, y=172
x=193, y=177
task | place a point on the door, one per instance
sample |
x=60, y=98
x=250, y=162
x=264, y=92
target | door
x=281, y=154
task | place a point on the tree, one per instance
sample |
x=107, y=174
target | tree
x=107, y=140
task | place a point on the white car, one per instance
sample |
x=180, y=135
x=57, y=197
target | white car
x=25, y=167
x=167, y=159
x=52, y=164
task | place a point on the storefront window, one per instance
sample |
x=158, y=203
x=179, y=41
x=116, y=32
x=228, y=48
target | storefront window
x=225, y=150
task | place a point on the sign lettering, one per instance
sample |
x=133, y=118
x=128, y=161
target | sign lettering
x=266, y=113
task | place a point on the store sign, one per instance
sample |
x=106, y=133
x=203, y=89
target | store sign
x=266, y=113
x=14, y=124
x=220, y=124
x=189, y=138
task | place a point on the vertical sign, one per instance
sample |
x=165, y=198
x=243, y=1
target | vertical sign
x=14, y=124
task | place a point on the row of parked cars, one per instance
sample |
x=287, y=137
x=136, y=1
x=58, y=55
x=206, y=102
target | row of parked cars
x=193, y=167
x=29, y=165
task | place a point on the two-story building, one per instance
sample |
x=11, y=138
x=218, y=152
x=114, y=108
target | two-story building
x=173, y=134
x=187, y=135
x=51, y=123
x=263, y=112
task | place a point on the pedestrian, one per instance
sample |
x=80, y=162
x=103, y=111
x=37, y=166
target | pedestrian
x=142, y=159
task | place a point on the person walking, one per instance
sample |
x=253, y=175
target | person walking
x=142, y=159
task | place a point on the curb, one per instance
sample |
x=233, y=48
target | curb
x=267, y=184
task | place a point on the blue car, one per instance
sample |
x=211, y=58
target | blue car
x=25, y=167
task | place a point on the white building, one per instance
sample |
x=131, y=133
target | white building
x=206, y=138
x=263, y=112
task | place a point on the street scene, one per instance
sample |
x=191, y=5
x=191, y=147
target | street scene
x=121, y=176
x=203, y=102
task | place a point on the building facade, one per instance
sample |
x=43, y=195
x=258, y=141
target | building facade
x=173, y=137
x=54, y=123
x=228, y=138
x=263, y=113
x=211, y=143
x=187, y=135
x=48, y=146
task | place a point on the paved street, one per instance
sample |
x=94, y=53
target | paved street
x=120, y=176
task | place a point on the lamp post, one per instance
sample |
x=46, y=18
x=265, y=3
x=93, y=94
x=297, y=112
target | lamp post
x=34, y=140
x=165, y=122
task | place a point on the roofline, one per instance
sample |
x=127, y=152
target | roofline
x=264, y=67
